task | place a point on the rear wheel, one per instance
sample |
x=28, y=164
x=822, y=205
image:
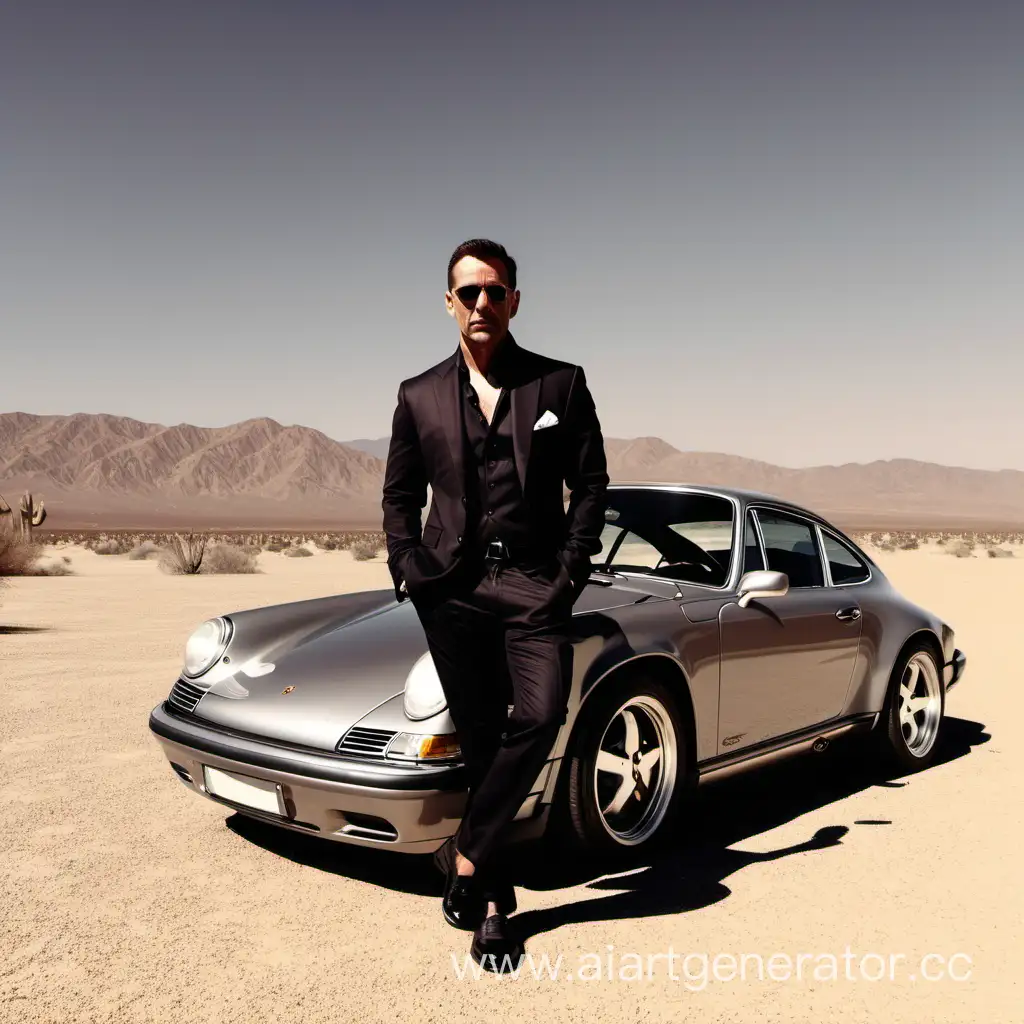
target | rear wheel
x=627, y=767
x=914, y=709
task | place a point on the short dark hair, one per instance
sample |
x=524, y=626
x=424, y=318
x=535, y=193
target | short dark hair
x=484, y=249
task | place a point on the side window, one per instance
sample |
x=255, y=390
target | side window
x=843, y=564
x=752, y=558
x=790, y=546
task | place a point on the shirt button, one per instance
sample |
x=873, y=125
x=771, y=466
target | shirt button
x=491, y=463
x=490, y=511
x=463, y=499
x=490, y=485
x=459, y=538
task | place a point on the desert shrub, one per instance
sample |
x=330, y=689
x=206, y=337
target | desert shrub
x=364, y=549
x=328, y=543
x=184, y=553
x=52, y=567
x=147, y=549
x=275, y=544
x=107, y=547
x=909, y=544
x=961, y=549
x=298, y=552
x=231, y=558
x=17, y=556
x=1000, y=553
x=104, y=545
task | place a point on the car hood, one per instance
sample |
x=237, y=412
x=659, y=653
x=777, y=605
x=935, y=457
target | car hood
x=319, y=689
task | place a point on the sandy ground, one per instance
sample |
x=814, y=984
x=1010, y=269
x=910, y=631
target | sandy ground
x=127, y=898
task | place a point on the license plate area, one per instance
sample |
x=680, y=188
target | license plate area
x=259, y=794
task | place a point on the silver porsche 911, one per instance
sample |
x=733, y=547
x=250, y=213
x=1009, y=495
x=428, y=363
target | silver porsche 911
x=720, y=630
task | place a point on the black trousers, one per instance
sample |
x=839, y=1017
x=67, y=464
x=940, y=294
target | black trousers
x=499, y=636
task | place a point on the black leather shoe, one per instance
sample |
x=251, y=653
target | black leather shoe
x=501, y=894
x=496, y=947
x=463, y=903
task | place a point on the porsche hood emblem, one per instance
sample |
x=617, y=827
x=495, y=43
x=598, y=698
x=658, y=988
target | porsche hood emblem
x=287, y=689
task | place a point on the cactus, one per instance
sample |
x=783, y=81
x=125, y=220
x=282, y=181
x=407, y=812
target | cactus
x=32, y=514
x=5, y=510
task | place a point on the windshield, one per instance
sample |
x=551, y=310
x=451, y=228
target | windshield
x=669, y=534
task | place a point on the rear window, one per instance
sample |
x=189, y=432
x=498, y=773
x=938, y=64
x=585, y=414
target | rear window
x=844, y=565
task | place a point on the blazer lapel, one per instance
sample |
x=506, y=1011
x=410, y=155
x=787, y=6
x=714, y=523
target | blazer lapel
x=525, y=402
x=446, y=391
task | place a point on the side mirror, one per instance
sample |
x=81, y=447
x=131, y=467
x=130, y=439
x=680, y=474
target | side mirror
x=762, y=583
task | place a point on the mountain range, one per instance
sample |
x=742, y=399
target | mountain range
x=100, y=471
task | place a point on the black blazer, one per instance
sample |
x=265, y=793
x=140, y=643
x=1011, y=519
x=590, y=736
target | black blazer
x=427, y=446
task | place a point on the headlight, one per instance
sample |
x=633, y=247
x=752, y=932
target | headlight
x=206, y=645
x=423, y=694
x=410, y=746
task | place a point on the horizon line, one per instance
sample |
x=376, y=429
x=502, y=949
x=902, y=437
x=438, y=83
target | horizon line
x=607, y=437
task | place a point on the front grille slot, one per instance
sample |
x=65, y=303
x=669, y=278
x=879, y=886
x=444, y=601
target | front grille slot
x=362, y=742
x=184, y=696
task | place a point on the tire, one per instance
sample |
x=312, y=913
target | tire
x=909, y=734
x=603, y=815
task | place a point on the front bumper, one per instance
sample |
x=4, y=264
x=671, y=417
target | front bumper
x=406, y=808
x=954, y=670
x=411, y=809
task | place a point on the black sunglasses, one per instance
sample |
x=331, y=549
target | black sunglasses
x=469, y=293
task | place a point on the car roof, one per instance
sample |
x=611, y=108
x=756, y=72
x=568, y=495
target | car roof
x=745, y=497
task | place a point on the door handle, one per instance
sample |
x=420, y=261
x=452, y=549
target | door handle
x=848, y=614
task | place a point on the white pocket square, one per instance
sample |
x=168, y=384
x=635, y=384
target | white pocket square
x=549, y=419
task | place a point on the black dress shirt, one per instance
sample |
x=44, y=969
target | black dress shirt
x=494, y=498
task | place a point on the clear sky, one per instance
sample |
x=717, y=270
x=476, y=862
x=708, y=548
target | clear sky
x=786, y=230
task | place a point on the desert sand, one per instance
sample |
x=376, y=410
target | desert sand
x=128, y=898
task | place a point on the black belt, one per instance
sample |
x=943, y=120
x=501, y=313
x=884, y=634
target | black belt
x=497, y=552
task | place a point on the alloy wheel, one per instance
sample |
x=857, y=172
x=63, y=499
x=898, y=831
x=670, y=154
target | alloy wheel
x=920, y=704
x=635, y=769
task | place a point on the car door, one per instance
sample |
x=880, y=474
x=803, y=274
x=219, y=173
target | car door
x=786, y=662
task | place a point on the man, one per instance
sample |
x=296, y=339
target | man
x=495, y=430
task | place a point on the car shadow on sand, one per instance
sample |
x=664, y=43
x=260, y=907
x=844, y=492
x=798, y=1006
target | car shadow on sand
x=688, y=873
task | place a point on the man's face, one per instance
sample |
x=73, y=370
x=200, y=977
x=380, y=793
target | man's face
x=484, y=319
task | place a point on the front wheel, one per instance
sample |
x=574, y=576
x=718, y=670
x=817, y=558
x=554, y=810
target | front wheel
x=914, y=709
x=627, y=767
